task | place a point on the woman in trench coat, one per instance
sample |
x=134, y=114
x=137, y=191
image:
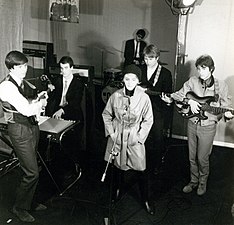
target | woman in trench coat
x=128, y=118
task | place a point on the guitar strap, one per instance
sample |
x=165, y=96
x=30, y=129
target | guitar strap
x=157, y=74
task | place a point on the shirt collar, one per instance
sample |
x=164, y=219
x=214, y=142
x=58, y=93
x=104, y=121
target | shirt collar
x=69, y=79
x=17, y=79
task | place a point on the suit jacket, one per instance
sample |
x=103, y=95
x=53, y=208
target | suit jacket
x=74, y=97
x=129, y=51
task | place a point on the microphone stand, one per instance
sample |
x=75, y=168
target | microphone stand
x=111, y=157
x=107, y=221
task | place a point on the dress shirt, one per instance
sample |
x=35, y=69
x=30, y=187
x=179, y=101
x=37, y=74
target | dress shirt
x=10, y=93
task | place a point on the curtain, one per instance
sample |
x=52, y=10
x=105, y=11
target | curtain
x=11, y=26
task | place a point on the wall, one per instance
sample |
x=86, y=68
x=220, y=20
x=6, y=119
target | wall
x=98, y=39
x=210, y=31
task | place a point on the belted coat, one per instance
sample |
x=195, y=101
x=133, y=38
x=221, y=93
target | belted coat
x=130, y=119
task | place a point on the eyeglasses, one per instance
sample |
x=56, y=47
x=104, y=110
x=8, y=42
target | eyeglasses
x=139, y=36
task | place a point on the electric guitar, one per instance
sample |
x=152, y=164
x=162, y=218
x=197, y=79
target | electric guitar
x=185, y=111
x=35, y=118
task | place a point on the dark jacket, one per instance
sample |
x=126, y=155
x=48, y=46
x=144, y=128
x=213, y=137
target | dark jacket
x=164, y=84
x=129, y=51
x=74, y=97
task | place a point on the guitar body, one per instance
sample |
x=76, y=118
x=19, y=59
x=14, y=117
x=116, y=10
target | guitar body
x=185, y=110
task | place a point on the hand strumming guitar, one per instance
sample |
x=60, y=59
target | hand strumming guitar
x=42, y=97
x=194, y=106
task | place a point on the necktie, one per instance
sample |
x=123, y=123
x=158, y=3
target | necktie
x=64, y=101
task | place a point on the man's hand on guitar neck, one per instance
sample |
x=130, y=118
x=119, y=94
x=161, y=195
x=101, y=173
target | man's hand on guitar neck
x=228, y=115
x=166, y=98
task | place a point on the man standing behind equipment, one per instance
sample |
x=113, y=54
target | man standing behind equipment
x=134, y=49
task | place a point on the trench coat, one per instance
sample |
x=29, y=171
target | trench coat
x=130, y=119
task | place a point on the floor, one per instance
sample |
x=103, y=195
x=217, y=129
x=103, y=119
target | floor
x=87, y=202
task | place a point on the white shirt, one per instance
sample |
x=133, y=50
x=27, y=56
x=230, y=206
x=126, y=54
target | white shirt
x=10, y=93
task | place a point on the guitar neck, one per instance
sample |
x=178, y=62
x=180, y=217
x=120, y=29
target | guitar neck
x=156, y=93
x=215, y=110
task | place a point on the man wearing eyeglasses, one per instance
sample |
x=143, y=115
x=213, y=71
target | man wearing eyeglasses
x=133, y=52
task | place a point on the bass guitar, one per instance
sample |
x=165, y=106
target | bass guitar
x=185, y=111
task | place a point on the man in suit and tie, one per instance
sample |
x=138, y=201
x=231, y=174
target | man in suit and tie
x=65, y=102
x=134, y=49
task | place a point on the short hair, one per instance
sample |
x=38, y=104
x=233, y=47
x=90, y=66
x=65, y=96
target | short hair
x=205, y=60
x=66, y=59
x=15, y=58
x=141, y=32
x=151, y=50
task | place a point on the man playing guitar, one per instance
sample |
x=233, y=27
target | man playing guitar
x=201, y=132
x=23, y=134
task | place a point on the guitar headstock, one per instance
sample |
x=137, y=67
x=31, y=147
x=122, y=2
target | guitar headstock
x=45, y=79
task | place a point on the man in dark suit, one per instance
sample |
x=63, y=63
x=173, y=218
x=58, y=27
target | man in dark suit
x=65, y=102
x=134, y=49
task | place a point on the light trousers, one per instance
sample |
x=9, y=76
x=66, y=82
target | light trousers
x=200, y=143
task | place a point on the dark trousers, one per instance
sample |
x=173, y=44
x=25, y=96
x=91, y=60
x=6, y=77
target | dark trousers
x=155, y=145
x=25, y=140
x=141, y=177
x=74, y=142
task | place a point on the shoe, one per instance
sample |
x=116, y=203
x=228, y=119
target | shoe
x=23, y=215
x=149, y=208
x=39, y=207
x=189, y=187
x=201, y=189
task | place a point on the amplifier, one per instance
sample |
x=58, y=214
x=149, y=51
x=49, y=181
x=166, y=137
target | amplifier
x=86, y=73
x=42, y=50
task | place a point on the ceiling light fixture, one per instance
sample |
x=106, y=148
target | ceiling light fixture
x=181, y=6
